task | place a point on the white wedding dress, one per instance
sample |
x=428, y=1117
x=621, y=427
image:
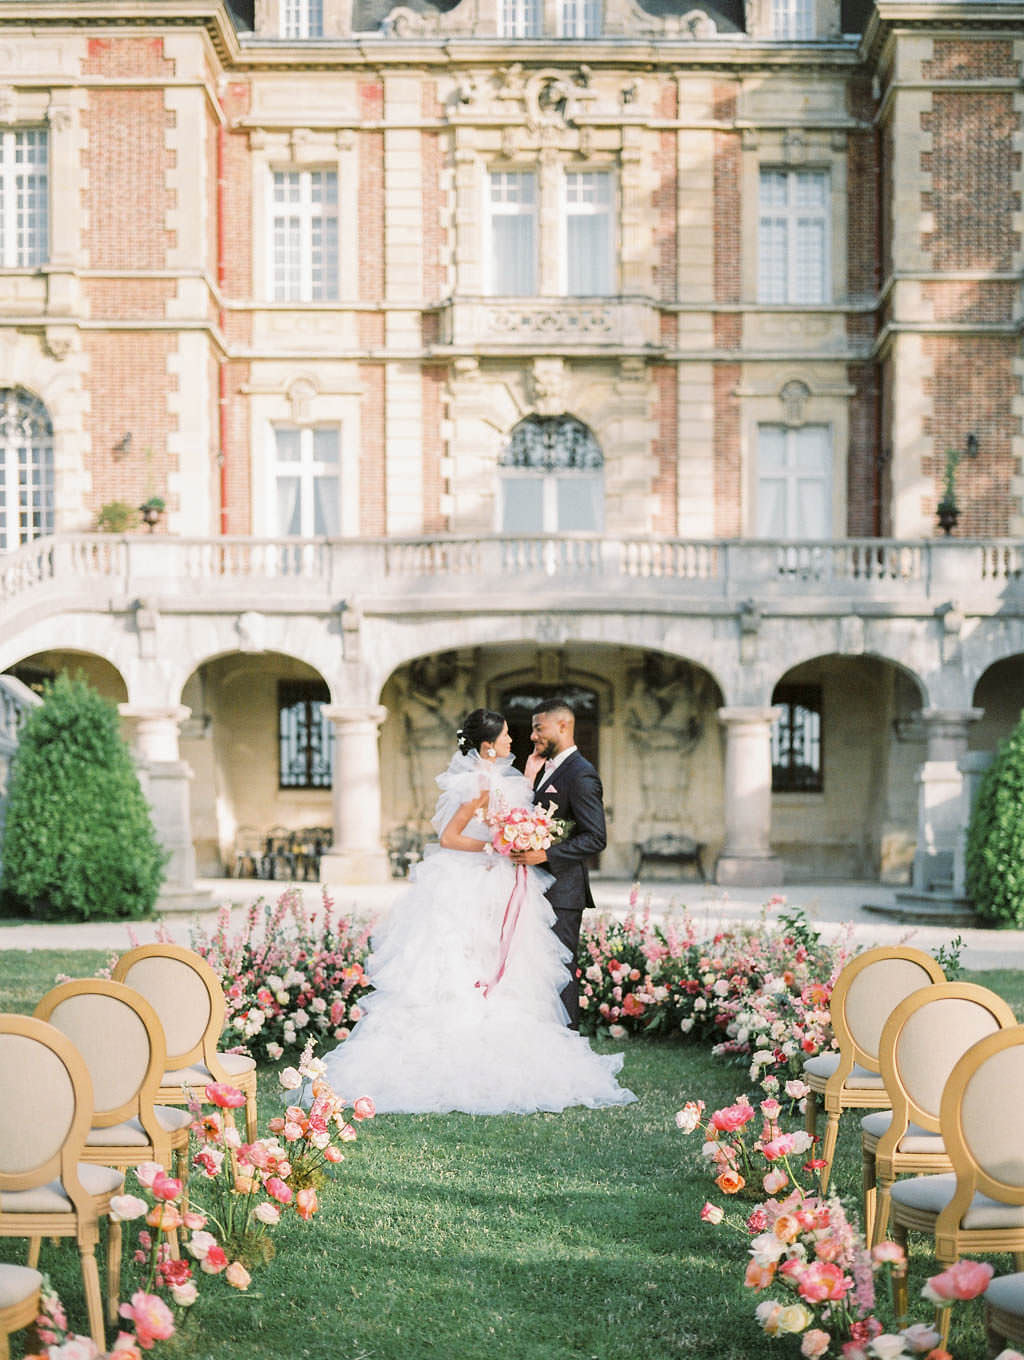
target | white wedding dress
x=430, y=1039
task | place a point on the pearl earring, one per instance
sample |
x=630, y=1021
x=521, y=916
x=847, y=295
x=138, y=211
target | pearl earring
x=491, y=753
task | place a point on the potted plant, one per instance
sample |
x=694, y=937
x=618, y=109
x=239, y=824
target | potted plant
x=116, y=517
x=151, y=509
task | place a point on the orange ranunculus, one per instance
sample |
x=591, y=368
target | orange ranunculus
x=165, y=1217
x=759, y=1277
x=730, y=1181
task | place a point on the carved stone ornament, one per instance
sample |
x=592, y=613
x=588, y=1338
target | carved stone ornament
x=547, y=386
x=59, y=341
x=794, y=147
x=551, y=98
x=252, y=631
x=403, y=22
x=301, y=392
x=794, y=397
x=59, y=117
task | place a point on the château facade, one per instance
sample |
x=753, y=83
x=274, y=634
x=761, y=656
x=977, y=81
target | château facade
x=467, y=353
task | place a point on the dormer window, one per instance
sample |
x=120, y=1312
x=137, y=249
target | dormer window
x=519, y=19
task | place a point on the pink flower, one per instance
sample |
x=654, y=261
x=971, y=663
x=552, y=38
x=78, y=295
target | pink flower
x=126, y=1207
x=964, y=1280
x=200, y=1243
x=185, y=1295
x=757, y=1222
x=823, y=1280
x=732, y=1117
x=153, y=1320
x=771, y=1109
x=797, y=1090
x=276, y=1188
x=228, y=1097
x=332, y=1154
x=888, y=1253
x=125, y=1348
x=214, y=1261
x=920, y=1337
x=712, y=1213
x=778, y=1147
x=774, y=1182
x=364, y=1108
x=267, y=1213
x=193, y=1220
x=237, y=1276
x=306, y=1203
x=147, y=1172
x=814, y=1343
x=166, y=1188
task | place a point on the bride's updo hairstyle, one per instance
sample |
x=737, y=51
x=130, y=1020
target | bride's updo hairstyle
x=479, y=726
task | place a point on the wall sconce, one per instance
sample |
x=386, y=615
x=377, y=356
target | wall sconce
x=971, y=446
x=123, y=445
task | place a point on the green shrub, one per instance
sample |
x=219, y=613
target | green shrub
x=79, y=843
x=117, y=517
x=995, y=838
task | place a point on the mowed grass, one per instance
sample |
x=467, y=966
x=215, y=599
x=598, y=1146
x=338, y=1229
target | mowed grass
x=550, y=1237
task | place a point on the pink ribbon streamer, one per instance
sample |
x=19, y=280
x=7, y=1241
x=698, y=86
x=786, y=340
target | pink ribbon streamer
x=509, y=921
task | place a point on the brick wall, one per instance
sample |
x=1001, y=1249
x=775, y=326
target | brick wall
x=971, y=59
x=862, y=506
x=371, y=219
x=728, y=241
x=434, y=378
x=728, y=503
x=665, y=451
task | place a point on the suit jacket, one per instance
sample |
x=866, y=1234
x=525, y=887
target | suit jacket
x=575, y=790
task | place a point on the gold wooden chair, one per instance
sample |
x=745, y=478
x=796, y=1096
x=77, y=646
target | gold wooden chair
x=118, y=1034
x=187, y=996
x=46, y=1189
x=866, y=991
x=920, y=1044
x=1004, y=1313
x=19, y=1301
x=979, y=1206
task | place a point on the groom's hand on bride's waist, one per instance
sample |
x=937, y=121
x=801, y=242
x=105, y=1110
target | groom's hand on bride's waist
x=529, y=857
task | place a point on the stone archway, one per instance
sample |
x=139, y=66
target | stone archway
x=39, y=667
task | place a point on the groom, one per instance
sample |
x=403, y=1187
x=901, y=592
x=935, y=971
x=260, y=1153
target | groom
x=565, y=778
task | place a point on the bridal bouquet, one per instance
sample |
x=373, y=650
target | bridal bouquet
x=524, y=828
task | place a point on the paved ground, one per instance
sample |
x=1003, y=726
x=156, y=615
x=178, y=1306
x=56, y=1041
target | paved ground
x=835, y=907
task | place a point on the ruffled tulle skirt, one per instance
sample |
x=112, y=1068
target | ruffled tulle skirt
x=431, y=1039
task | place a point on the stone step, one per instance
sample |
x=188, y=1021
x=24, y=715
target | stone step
x=930, y=908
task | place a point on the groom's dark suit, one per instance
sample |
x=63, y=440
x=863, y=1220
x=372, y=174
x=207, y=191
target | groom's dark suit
x=575, y=790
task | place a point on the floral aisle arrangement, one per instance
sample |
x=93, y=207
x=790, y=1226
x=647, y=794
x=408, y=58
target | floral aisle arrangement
x=747, y=1149
x=759, y=992
x=289, y=971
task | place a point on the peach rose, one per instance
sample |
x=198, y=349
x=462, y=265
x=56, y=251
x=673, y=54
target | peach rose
x=237, y=1276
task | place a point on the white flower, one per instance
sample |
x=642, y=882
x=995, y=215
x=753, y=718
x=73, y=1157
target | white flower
x=617, y=1031
x=766, y=1248
x=200, y=1243
x=920, y=1337
x=290, y=1078
x=721, y=987
x=659, y=993
x=300, y=1019
x=593, y=973
x=293, y=978
x=185, y=1295
x=687, y=1024
x=700, y=1005
x=887, y=1346
x=762, y=1058
x=802, y=1140
x=268, y=1213
x=312, y=1067
x=274, y=1051
x=282, y=997
x=274, y=982
x=318, y=1005
x=688, y=1118
x=123, y=1208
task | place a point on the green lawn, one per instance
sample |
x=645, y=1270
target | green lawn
x=550, y=1237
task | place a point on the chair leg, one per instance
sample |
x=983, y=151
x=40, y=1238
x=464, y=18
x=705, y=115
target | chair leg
x=811, y=1114
x=113, y=1270
x=868, y=1175
x=943, y=1317
x=34, y=1243
x=251, y=1131
x=5, y=1350
x=93, y=1297
x=883, y=1205
x=1018, y=1260
x=828, y=1150
x=899, y=1278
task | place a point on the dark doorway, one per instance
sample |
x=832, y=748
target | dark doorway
x=518, y=704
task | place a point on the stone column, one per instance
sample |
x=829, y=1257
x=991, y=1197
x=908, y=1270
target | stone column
x=357, y=855
x=165, y=778
x=972, y=768
x=939, y=791
x=746, y=860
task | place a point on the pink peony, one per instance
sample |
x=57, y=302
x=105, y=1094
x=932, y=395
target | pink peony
x=225, y=1095
x=193, y=1220
x=823, y=1280
x=732, y=1117
x=332, y=1154
x=267, y=1213
x=964, y=1280
x=153, y=1320
x=276, y=1188
x=123, y=1208
x=125, y=1348
x=214, y=1261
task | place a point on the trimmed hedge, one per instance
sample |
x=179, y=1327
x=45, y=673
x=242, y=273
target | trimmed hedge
x=995, y=838
x=79, y=842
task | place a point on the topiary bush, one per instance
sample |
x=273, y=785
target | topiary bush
x=995, y=838
x=79, y=842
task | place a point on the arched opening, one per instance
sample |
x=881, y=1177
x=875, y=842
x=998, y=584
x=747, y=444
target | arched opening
x=26, y=468
x=552, y=478
x=261, y=751
x=42, y=667
x=846, y=749
x=1000, y=692
x=647, y=720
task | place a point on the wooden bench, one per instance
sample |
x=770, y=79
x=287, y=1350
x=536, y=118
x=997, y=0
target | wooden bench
x=670, y=848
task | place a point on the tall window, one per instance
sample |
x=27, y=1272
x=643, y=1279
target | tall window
x=306, y=481
x=519, y=19
x=796, y=740
x=579, y=19
x=513, y=219
x=793, y=236
x=793, y=19
x=794, y=481
x=26, y=468
x=302, y=18
x=305, y=735
x=304, y=232
x=589, y=240
x=24, y=198
x=552, y=478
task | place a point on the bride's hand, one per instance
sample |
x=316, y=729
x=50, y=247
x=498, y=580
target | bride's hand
x=534, y=764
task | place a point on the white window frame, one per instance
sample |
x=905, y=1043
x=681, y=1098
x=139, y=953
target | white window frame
x=786, y=231
x=792, y=20
x=579, y=18
x=302, y=19
x=550, y=482
x=28, y=484
x=792, y=475
x=520, y=18
x=306, y=468
x=580, y=207
x=308, y=213
x=504, y=207
x=24, y=229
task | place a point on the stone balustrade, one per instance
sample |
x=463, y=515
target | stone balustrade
x=98, y=571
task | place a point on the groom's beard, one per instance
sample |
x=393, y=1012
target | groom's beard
x=548, y=751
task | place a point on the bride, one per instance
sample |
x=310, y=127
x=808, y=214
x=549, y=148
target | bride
x=439, y=1032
